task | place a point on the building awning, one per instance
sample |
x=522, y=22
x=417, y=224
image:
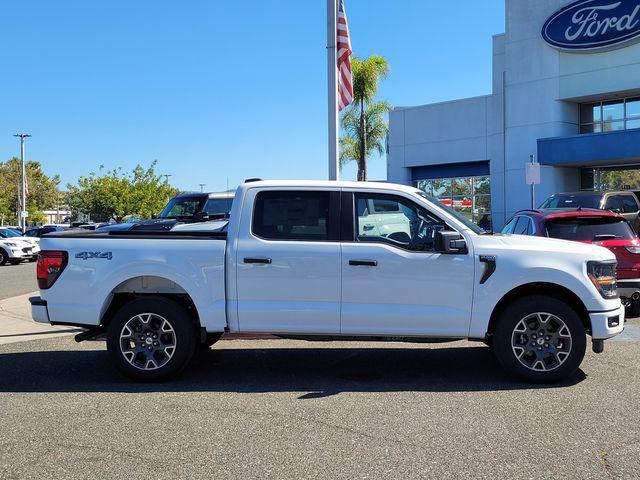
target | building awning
x=451, y=170
x=621, y=147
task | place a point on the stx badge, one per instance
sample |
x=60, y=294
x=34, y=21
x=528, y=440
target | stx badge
x=88, y=255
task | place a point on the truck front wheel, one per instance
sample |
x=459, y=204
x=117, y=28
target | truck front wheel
x=540, y=339
x=151, y=339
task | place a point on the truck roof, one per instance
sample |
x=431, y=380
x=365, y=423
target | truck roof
x=326, y=184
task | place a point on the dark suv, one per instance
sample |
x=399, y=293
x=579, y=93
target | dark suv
x=623, y=202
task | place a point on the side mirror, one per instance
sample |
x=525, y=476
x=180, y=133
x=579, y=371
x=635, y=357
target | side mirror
x=450, y=242
x=154, y=215
x=200, y=217
x=616, y=210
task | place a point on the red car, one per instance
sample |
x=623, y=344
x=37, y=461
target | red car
x=599, y=227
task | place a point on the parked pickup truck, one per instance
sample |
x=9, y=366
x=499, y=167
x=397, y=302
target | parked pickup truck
x=296, y=262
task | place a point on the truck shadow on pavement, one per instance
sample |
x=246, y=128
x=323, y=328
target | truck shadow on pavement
x=313, y=372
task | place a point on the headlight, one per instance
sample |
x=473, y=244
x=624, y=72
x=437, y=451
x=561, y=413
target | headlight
x=633, y=249
x=11, y=244
x=603, y=277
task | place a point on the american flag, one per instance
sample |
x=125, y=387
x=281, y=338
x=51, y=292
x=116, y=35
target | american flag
x=345, y=84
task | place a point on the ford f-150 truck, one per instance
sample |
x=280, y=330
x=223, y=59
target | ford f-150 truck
x=300, y=260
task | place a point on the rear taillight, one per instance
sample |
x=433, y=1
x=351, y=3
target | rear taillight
x=51, y=263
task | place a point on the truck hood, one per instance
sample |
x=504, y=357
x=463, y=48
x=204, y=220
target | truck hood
x=493, y=244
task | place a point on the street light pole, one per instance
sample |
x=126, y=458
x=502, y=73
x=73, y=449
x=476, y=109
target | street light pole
x=23, y=206
x=202, y=186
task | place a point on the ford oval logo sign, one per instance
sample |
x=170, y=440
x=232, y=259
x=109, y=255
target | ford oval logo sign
x=593, y=25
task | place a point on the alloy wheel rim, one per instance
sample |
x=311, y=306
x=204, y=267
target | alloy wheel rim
x=147, y=341
x=541, y=341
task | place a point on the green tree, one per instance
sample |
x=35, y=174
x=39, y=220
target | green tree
x=364, y=122
x=115, y=194
x=42, y=190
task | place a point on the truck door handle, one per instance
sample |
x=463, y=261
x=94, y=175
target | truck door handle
x=262, y=261
x=363, y=263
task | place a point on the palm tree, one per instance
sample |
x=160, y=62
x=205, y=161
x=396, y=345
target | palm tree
x=364, y=122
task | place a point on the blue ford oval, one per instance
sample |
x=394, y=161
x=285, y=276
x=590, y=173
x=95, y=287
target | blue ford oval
x=593, y=25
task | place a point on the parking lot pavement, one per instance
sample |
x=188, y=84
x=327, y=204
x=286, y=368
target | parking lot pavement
x=290, y=409
x=16, y=324
x=17, y=279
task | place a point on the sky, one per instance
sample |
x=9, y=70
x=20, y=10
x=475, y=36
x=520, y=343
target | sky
x=217, y=91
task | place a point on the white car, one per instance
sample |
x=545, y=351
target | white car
x=17, y=249
x=296, y=262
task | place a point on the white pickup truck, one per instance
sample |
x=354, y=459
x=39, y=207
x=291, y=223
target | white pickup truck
x=297, y=261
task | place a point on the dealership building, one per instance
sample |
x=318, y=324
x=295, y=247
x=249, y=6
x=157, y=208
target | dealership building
x=566, y=89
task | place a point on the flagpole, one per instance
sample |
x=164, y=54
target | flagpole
x=332, y=69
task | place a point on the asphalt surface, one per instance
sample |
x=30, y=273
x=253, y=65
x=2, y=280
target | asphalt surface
x=290, y=409
x=17, y=279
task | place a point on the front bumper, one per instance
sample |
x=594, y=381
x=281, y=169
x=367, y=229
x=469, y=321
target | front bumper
x=23, y=252
x=39, y=311
x=607, y=324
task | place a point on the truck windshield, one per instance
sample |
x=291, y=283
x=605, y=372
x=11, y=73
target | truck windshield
x=218, y=206
x=589, y=228
x=458, y=216
x=7, y=233
x=181, y=207
x=566, y=200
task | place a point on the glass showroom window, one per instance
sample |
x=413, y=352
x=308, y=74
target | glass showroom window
x=610, y=116
x=470, y=196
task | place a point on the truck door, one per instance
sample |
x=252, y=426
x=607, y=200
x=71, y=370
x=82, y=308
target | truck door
x=288, y=261
x=393, y=282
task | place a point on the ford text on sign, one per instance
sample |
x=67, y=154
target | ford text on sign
x=593, y=25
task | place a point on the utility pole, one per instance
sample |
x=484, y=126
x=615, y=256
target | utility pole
x=23, y=205
x=166, y=176
x=202, y=186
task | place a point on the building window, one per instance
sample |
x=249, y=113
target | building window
x=611, y=178
x=470, y=196
x=610, y=116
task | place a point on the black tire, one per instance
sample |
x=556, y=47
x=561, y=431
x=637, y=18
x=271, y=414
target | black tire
x=15, y=262
x=553, y=361
x=169, y=361
x=632, y=310
x=33, y=259
x=211, y=339
x=3, y=257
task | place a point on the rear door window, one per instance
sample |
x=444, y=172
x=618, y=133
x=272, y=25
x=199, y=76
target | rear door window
x=291, y=215
x=589, y=228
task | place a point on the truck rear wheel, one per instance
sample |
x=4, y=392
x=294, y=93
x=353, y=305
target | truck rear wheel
x=151, y=339
x=540, y=339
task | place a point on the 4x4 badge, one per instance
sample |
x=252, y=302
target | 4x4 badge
x=88, y=255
